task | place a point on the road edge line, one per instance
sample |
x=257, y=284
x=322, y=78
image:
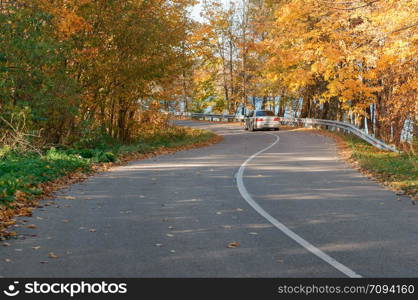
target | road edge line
x=298, y=239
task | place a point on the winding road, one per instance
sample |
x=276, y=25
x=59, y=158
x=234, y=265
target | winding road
x=261, y=204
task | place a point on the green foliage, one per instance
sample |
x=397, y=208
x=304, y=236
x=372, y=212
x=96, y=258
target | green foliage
x=22, y=173
x=80, y=75
x=204, y=94
x=32, y=73
x=25, y=173
x=398, y=170
x=86, y=70
x=92, y=136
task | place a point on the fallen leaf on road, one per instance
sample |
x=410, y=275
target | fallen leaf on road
x=219, y=213
x=227, y=226
x=66, y=220
x=52, y=255
x=240, y=209
x=69, y=197
x=159, y=245
x=43, y=262
x=170, y=235
x=233, y=245
x=31, y=226
x=92, y=230
x=36, y=247
x=6, y=244
x=39, y=218
x=173, y=251
x=7, y=260
x=12, y=222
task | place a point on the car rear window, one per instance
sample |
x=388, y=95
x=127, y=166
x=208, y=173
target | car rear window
x=263, y=113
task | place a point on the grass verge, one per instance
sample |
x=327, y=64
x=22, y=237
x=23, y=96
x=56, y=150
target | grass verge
x=27, y=178
x=399, y=172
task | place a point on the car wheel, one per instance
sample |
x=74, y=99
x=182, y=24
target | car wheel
x=276, y=129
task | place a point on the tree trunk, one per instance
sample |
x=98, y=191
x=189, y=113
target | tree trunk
x=264, y=102
x=231, y=77
x=325, y=110
x=306, y=107
x=369, y=120
x=281, y=107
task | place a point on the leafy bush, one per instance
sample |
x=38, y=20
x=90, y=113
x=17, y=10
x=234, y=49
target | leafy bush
x=21, y=174
x=105, y=157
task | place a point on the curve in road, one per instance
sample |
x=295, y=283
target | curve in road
x=305, y=244
x=175, y=216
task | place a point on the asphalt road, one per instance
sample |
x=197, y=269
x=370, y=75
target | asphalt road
x=175, y=215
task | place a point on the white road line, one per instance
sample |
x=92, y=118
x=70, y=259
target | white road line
x=308, y=246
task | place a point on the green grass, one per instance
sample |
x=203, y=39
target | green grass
x=400, y=171
x=21, y=174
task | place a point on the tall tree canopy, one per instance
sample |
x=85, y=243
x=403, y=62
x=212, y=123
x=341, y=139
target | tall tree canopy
x=71, y=68
x=76, y=67
x=352, y=60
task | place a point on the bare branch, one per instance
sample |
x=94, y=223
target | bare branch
x=352, y=8
x=405, y=28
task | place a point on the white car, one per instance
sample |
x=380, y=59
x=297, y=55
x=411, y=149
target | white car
x=261, y=119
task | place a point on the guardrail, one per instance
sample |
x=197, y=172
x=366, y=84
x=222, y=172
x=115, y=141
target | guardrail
x=213, y=117
x=306, y=122
x=342, y=125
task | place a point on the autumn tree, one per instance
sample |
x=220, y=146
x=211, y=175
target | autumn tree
x=89, y=68
x=348, y=61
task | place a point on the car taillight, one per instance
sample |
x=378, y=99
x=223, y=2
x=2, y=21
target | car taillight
x=276, y=119
x=259, y=119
